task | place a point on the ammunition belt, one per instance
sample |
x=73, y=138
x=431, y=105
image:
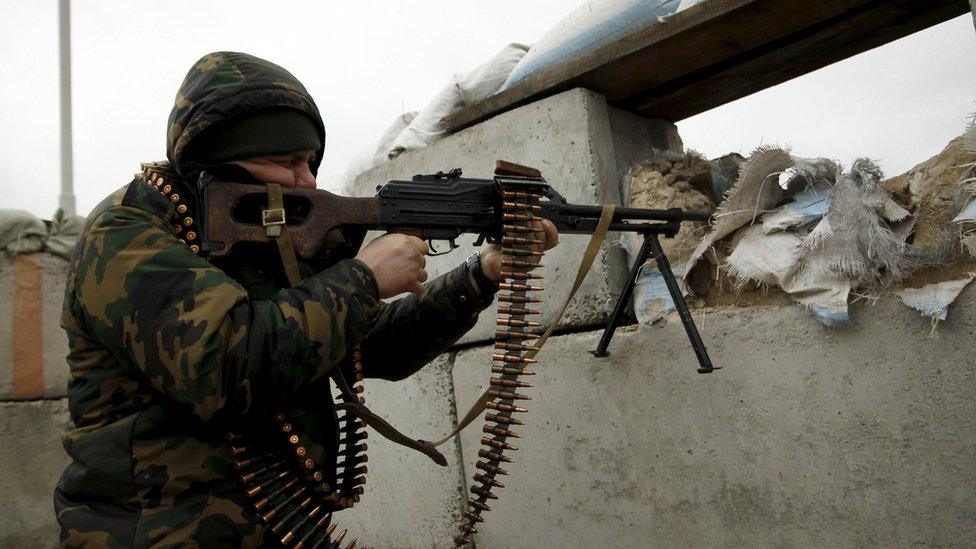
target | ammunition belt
x=290, y=491
x=162, y=177
x=512, y=355
x=509, y=361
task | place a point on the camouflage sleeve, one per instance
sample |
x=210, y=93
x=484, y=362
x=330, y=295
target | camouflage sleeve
x=192, y=331
x=413, y=330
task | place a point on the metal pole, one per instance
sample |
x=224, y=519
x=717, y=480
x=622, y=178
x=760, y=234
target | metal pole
x=972, y=4
x=66, y=201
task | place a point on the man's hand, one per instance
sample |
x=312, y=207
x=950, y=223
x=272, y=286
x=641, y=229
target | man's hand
x=491, y=254
x=397, y=262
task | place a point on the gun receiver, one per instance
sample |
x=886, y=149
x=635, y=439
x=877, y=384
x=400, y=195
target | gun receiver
x=438, y=207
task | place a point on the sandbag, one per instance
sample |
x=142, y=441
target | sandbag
x=372, y=156
x=21, y=232
x=462, y=91
x=62, y=235
x=593, y=25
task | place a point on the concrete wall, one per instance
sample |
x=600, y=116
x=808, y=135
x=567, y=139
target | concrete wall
x=409, y=498
x=809, y=437
x=31, y=458
x=32, y=366
x=32, y=344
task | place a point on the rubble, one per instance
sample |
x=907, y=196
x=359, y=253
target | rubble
x=686, y=183
x=682, y=183
x=807, y=231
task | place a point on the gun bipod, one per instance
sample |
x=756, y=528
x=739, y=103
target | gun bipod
x=652, y=245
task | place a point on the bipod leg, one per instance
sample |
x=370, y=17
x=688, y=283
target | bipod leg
x=704, y=362
x=618, y=309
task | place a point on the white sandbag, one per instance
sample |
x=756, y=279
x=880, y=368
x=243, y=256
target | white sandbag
x=821, y=291
x=21, y=232
x=370, y=157
x=63, y=234
x=853, y=240
x=933, y=300
x=774, y=259
x=428, y=126
x=462, y=91
x=595, y=24
x=767, y=259
x=806, y=207
x=481, y=83
x=652, y=299
x=968, y=214
x=755, y=193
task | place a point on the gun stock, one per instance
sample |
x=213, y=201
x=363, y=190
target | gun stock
x=233, y=214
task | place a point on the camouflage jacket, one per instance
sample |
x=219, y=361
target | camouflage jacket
x=168, y=352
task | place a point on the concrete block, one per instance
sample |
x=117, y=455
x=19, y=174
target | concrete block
x=410, y=502
x=570, y=138
x=637, y=140
x=32, y=459
x=809, y=437
x=32, y=344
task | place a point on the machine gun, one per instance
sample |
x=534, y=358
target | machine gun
x=440, y=208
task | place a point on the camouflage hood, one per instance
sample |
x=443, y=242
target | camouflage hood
x=225, y=84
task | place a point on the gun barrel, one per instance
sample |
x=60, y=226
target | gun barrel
x=578, y=219
x=623, y=214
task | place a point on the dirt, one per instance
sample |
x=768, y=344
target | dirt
x=685, y=184
x=929, y=191
x=675, y=184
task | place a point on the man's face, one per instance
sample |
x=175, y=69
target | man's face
x=287, y=170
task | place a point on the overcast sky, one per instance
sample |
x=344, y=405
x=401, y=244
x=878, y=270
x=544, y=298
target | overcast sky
x=366, y=62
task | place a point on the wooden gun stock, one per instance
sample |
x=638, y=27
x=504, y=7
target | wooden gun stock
x=233, y=215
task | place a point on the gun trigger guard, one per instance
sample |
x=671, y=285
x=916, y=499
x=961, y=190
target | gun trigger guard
x=433, y=251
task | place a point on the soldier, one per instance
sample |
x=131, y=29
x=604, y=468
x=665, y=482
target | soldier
x=170, y=352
